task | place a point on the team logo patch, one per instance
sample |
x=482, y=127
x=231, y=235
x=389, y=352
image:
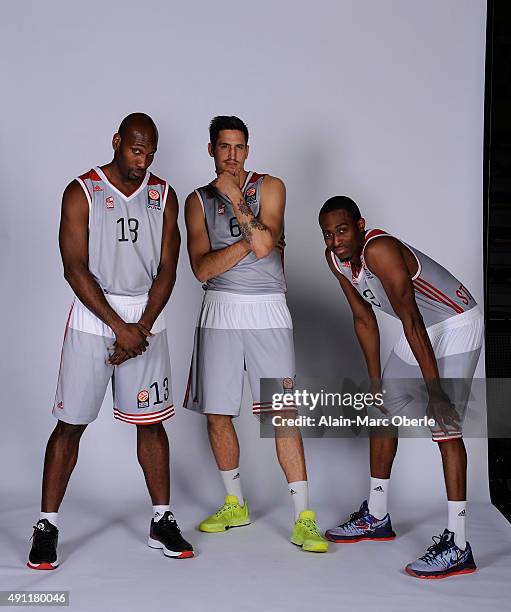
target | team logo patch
x=143, y=399
x=221, y=209
x=153, y=199
x=250, y=192
x=109, y=202
x=287, y=383
x=97, y=188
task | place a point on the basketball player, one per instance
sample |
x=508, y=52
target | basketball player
x=234, y=227
x=442, y=337
x=119, y=242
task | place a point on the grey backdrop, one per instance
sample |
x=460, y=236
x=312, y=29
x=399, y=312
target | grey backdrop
x=380, y=100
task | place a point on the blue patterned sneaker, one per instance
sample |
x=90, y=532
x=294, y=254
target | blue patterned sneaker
x=362, y=526
x=443, y=559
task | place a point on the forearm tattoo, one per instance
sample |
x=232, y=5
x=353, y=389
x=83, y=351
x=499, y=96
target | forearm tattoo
x=245, y=209
x=246, y=228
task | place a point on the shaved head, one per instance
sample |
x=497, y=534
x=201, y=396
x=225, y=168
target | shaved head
x=135, y=144
x=138, y=122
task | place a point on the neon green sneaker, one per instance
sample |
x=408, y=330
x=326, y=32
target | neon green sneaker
x=306, y=533
x=231, y=514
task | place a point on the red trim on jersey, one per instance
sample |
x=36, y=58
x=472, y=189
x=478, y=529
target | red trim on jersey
x=91, y=175
x=155, y=180
x=433, y=293
x=372, y=234
x=255, y=177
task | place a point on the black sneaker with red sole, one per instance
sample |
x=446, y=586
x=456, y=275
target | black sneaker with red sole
x=43, y=555
x=165, y=534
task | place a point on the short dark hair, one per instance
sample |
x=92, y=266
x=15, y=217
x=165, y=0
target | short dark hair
x=223, y=122
x=341, y=203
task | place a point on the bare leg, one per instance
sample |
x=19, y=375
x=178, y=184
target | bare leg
x=224, y=441
x=454, y=461
x=153, y=456
x=289, y=446
x=382, y=451
x=59, y=461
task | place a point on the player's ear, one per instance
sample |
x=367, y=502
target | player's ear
x=116, y=141
x=247, y=149
x=361, y=224
x=210, y=149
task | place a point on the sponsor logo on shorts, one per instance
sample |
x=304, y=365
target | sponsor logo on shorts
x=60, y=405
x=97, y=188
x=143, y=399
x=109, y=201
x=153, y=200
x=287, y=383
x=221, y=209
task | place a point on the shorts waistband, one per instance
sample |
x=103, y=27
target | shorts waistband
x=236, y=298
x=457, y=321
x=126, y=300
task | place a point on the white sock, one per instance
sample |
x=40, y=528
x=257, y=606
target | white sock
x=232, y=483
x=159, y=511
x=378, y=497
x=457, y=511
x=300, y=493
x=51, y=517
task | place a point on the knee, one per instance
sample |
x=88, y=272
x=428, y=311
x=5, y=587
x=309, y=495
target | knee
x=69, y=431
x=218, y=421
x=152, y=430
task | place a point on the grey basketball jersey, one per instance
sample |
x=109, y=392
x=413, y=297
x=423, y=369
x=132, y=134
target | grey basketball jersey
x=124, y=232
x=250, y=275
x=439, y=295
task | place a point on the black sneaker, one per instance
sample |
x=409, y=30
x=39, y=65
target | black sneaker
x=43, y=555
x=166, y=534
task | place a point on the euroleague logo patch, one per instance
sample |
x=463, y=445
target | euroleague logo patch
x=153, y=199
x=109, y=201
x=287, y=383
x=250, y=195
x=143, y=399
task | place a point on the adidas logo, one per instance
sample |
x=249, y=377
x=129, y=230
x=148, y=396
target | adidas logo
x=292, y=491
x=97, y=188
x=462, y=513
x=380, y=489
x=236, y=476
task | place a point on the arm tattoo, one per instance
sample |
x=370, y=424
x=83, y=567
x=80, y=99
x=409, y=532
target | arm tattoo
x=245, y=209
x=256, y=224
x=246, y=232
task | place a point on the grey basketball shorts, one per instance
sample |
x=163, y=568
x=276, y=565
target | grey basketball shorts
x=235, y=333
x=141, y=386
x=457, y=345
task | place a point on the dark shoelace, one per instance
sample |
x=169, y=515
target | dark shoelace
x=44, y=543
x=440, y=545
x=353, y=518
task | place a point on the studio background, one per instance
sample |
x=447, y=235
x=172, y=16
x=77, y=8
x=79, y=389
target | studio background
x=381, y=101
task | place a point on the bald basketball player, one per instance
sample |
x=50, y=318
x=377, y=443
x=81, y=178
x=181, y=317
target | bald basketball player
x=119, y=242
x=442, y=338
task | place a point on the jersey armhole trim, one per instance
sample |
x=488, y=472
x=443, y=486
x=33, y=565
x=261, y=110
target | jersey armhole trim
x=332, y=255
x=89, y=199
x=201, y=202
x=165, y=195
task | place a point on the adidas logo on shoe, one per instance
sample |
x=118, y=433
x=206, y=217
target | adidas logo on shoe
x=380, y=489
x=462, y=513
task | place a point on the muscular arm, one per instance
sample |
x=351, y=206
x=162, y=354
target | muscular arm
x=205, y=262
x=364, y=320
x=74, y=249
x=264, y=231
x=165, y=278
x=385, y=259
